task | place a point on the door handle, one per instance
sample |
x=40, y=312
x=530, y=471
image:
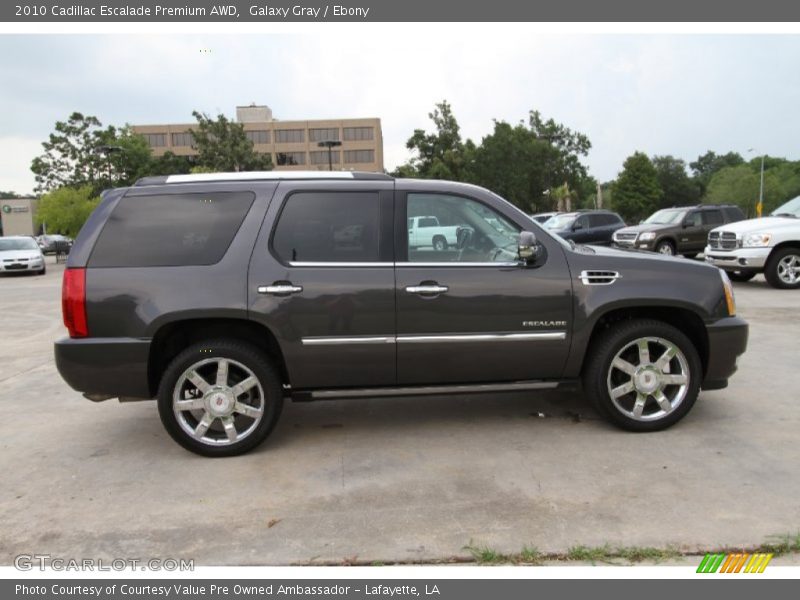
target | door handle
x=427, y=289
x=280, y=289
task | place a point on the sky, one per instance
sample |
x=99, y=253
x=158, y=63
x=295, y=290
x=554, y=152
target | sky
x=659, y=94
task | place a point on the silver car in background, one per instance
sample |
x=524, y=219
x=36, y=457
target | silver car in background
x=21, y=254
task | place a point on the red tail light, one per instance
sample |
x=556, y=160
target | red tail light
x=73, y=302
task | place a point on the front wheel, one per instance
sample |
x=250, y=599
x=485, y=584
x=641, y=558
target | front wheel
x=220, y=398
x=643, y=375
x=783, y=269
x=741, y=276
x=665, y=247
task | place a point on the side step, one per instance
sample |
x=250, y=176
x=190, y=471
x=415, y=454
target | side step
x=382, y=392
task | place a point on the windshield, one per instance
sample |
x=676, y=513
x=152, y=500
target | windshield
x=18, y=244
x=559, y=222
x=791, y=208
x=666, y=216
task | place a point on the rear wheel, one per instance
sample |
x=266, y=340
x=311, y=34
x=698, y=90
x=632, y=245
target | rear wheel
x=740, y=276
x=783, y=269
x=220, y=398
x=666, y=247
x=643, y=375
x=439, y=244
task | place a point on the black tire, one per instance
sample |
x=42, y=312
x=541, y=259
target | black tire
x=740, y=276
x=439, y=243
x=772, y=269
x=245, y=354
x=690, y=255
x=665, y=247
x=43, y=271
x=598, y=374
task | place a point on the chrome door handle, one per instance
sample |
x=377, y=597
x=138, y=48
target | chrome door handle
x=427, y=289
x=280, y=289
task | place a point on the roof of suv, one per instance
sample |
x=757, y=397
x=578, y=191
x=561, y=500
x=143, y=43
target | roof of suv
x=259, y=175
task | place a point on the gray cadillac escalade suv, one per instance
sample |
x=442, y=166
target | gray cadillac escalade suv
x=221, y=294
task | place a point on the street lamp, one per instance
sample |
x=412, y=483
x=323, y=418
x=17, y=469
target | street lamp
x=329, y=144
x=760, y=205
x=108, y=151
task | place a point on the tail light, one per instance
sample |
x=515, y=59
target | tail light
x=73, y=302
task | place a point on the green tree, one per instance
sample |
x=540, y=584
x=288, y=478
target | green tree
x=9, y=195
x=65, y=210
x=678, y=188
x=441, y=154
x=171, y=164
x=741, y=184
x=223, y=146
x=709, y=163
x=636, y=192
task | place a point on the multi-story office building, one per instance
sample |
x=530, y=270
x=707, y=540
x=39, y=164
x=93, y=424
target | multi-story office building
x=293, y=145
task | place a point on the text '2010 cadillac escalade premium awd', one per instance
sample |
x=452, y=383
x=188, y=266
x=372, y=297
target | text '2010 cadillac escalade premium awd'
x=221, y=294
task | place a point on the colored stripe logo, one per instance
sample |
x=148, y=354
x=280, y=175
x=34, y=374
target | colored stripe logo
x=740, y=562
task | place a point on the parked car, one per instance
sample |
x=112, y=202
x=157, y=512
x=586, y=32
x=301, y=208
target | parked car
x=222, y=294
x=679, y=230
x=21, y=253
x=50, y=243
x=769, y=245
x=425, y=231
x=542, y=217
x=586, y=227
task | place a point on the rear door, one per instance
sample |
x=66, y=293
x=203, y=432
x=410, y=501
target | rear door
x=471, y=313
x=322, y=279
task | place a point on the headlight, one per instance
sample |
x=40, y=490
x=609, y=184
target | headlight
x=646, y=237
x=756, y=240
x=728, y=287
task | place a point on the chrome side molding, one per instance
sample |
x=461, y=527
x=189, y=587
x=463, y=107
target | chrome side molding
x=422, y=339
x=599, y=277
x=430, y=390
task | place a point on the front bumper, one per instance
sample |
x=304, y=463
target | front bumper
x=727, y=341
x=22, y=267
x=741, y=259
x=634, y=244
x=111, y=366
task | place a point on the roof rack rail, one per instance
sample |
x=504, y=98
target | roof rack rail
x=259, y=176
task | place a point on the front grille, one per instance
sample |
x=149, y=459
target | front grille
x=625, y=237
x=15, y=267
x=15, y=260
x=722, y=240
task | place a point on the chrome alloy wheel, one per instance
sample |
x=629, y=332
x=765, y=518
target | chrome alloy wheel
x=648, y=379
x=218, y=401
x=665, y=249
x=789, y=269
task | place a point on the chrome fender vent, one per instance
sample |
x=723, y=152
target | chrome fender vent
x=599, y=277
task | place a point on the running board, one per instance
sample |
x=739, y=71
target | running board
x=478, y=388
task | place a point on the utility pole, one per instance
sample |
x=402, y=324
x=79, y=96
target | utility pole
x=760, y=206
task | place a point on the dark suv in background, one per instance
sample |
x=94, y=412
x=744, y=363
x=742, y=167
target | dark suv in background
x=678, y=230
x=222, y=294
x=586, y=227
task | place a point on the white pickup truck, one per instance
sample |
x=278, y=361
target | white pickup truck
x=426, y=231
x=770, y=245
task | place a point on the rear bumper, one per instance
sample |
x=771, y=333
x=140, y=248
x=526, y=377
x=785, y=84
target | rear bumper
x=113, y=366
x=727, y=341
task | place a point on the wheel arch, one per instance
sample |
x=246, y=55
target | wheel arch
x=171, y=338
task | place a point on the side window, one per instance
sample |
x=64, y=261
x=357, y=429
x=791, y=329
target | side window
x=582, y=222
x=329, y=227
x=694, y=219
x=170, y=230
x=712, y=217
x=465, y=231
x=598, y=220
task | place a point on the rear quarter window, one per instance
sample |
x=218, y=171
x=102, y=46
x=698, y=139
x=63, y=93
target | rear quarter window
x=171, y=230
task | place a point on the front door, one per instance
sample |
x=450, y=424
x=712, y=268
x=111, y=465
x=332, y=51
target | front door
x=322, y=280
x=693, y=236
x=471, y=313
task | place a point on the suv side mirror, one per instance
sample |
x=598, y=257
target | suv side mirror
x=528, y=247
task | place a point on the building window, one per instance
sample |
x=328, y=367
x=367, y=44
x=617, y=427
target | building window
x=285, y=159
x=156, y=140
x=359, y=156
x=283, y=136
x=323, y=135
x=355, y=134
x=183, y=139
x=258, y=137
x=321, y=157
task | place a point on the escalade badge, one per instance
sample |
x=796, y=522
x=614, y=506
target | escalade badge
x=544, y=323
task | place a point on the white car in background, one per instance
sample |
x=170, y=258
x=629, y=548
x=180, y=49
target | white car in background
x=769, y=245
x=21, y=254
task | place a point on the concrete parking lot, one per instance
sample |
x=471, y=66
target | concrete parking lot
x=397, y=479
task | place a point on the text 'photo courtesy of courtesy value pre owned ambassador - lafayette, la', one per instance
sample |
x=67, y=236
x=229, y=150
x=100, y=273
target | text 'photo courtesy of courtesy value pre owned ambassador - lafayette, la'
x=222, y=294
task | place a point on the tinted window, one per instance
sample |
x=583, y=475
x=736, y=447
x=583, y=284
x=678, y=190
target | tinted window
x=733, y=214
x=713, y=217
x=466, y=231
x=694, y=219
x=598, y=220
x=582, y=221
x=170, y=230
x=329, y=227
